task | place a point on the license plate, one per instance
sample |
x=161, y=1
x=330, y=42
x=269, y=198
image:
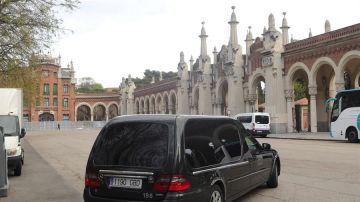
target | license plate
x=123, y=182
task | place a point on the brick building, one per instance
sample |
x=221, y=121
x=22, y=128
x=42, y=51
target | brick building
x=57, y=92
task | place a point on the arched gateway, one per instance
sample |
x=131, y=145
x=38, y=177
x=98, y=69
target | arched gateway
x=290, y=79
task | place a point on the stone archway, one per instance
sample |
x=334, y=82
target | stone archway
x=142, y=105
x=257, y=91
x=46, y=116
x=350, y=66
x=99, y=112
x=152, y=105
x=147, y=105
x=195, y=101
x=158, y=105
x=223, y=98
x=297, y=97
x=166, y=103
x=137, y=106
x=173, y=103
x=323, y=77
x=83, y=113
x=113, y=111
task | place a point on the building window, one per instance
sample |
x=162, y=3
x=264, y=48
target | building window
x=55, y=74
x=66, y=117
x=55, y=102
x=37, y=103
x=66, y=88
x=65, y=102
x=46, y=102
x=45, y=73
x=46, y=89
x=55, y=89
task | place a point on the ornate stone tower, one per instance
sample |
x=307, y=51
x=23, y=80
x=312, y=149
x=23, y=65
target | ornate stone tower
x=123, y=92
x=234, y=70
x=130, y=95
x=274, y=81
x=285, y=30
x=204, y=76
x=183, y=86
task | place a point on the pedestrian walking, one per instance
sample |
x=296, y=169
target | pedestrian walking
x=58, y=126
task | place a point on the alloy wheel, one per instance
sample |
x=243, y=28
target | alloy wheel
x=215, y=196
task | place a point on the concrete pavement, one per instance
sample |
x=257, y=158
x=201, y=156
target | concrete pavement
x=304, y=136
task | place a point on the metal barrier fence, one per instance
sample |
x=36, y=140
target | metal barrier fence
x=53, y=125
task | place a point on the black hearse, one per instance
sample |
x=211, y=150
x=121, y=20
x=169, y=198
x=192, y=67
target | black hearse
x=177, y=158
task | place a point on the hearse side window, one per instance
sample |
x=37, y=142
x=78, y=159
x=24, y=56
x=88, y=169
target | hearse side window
x=210, y=142
x=244, y=119
x=136, y=144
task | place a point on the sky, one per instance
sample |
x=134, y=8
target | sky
x=111, y=39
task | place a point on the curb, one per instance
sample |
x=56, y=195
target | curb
x=301, y=138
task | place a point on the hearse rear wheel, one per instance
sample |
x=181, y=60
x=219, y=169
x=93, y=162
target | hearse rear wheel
x=216, y=194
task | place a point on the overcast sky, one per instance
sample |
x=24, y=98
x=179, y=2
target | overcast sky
x=114, y=38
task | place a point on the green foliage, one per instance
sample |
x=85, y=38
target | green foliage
x=26, y=78
x=88, y=85
x=300, y=89
x=29, y=26
x=148, y=75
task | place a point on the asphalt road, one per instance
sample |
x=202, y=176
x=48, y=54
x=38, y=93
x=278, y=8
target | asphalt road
x=311, y=170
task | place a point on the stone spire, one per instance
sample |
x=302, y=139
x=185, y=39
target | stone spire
x=327, y=26
x=203, y=36
x=285, y=30
x=129, y=78
x=310, y=34
x=271, y=22
x=264, y=30
x=215, y=55
x=233, y=29
x=249, y=40
x=191, y=63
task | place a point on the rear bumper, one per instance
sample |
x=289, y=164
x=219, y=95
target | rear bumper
x=260, y=132
x=88, y=197
x=14, y=161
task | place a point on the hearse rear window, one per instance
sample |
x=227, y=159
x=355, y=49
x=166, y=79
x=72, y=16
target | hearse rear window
x=137, y=144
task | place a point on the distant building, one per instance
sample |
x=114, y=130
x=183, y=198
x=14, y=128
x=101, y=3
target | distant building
x=57, y=92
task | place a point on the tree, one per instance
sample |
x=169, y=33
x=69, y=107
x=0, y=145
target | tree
x=149, y=74
x=88, y=85
x=27, y=27
x=300, y=89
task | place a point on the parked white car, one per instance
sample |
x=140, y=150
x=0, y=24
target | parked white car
x=257, y=123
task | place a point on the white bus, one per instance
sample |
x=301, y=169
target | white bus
x=345, y=115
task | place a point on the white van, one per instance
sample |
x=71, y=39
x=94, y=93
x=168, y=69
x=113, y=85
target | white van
x=257, y=123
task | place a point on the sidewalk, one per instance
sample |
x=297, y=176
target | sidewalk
x=324, y=136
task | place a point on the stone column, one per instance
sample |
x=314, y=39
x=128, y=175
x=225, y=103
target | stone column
x=313, y=117
x=92, y=116
x=289, y=100
x=252, y=101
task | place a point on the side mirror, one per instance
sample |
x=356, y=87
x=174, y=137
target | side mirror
x=266, y=146
x=23, y=132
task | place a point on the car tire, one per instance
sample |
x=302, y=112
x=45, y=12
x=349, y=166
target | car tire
x=216, y=194
x=22, y=157
x=352, y=135
x=273, y=179
x=17, y=170
x=263, y=135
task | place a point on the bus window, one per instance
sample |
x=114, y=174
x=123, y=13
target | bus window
x=335, y=111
